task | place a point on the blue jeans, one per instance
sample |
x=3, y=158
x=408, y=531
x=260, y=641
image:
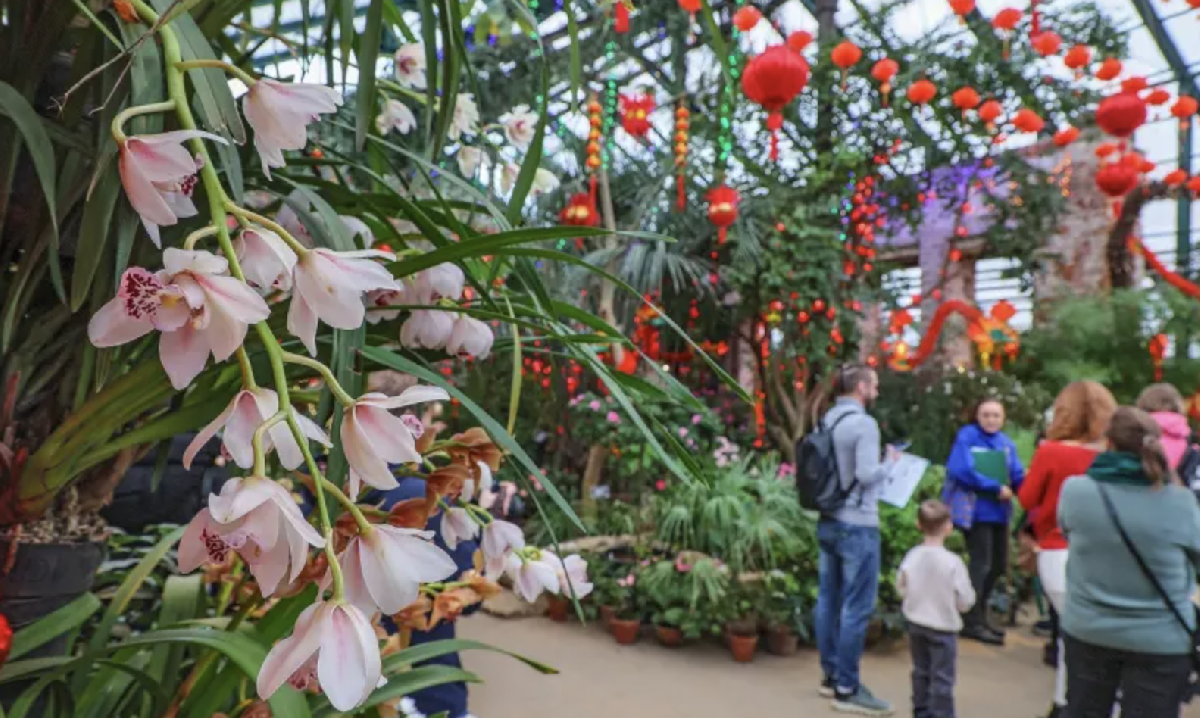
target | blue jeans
x=849, y=582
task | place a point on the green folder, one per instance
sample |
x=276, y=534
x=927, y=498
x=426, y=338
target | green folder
x=992, y=464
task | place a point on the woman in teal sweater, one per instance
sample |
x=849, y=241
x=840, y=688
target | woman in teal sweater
x=1120, y=632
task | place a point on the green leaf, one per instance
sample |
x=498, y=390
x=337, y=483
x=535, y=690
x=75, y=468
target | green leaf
x=368, y=53
x=182, y=599
x=93, y=234
x=429, y=42
x=488, y=245
x=576, y=65
x=41, y=151
x=450, y=74
x=424, y=652
x=330, y=231
x=53, y=625
x=491, y=426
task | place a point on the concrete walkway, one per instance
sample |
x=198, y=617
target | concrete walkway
x=600, y=679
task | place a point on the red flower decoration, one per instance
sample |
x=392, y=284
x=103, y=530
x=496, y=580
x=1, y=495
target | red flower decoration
x=635, y=113
x=580, y=211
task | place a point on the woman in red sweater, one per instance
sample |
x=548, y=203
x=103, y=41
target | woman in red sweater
x=1074, y=438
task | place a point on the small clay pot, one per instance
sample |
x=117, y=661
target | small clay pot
x=669, y=636
x=626, y=632
x=742, y=647
x=557, y=608
x=782, y=642
x=606, y=616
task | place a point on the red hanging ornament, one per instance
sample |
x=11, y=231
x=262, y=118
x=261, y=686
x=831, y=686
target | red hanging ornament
x=773, y=79
x=635, y=114
x=1105, y=150
x=799, y=40
x=682, y=122
x=1078, y=58
x=747, y=18
x=621, y=18
x=1133, y=84
x=6, y=636
x=1157, y=97
x=1158, y=351
x=1184, y=107
x=595, y=135
x=1066, y=136
x=722, y=209
x=962, y=8
x=1121, y=114
x=1175, y=178
x=989, y=112
x=965, y=98
x=883, y=72
x=1006, y=21
x=846, y=55
x=1116, y=179
x=580, y=211
x=1109, y=69
x=921, y=92
x=1046, y=43
x=1027, y=120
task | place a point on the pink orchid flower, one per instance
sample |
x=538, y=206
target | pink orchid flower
x=267, y=260
x=445, y=281
x=329, y=286
x=531, y=576
x=198, y=310
x=572, y=575
x=470, y=338
x=500, y=538
x=333, y=645
x=385, y=568
x=373, y=437
x=379, y=298
x=248, y=410
x=457, y=525
x=280, y=112
x=159, y=174
x=427, y=328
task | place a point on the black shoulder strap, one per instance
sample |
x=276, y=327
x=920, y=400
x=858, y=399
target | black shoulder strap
x=836, y=464
x=1112, y=514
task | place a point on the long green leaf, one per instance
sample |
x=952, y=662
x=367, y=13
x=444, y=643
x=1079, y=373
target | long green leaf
x=93, y=235
x=450, y=64
x=49, y=627
x=368, y=54
x=424, y=652
x=576, y=65
x=429, y=42
x=182, y=600
x=41, y=152
x=491, y=426
x=533, y=158
x=488, y=245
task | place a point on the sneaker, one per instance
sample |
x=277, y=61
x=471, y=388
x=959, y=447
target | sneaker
x=861, y=702
x=983, y=635
x=828, y=688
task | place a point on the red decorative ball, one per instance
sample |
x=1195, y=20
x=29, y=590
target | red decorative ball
x=1121, y=114
x=1116, y=179
x=747, y=18
x=774, y=78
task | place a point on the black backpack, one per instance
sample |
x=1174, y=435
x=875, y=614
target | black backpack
x=818, y=481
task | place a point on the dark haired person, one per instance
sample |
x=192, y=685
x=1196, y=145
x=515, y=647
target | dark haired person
x=1134, y=538
x=849, y=545
x=980, y=499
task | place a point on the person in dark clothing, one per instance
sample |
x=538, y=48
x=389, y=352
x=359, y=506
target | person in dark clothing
x=179, y=495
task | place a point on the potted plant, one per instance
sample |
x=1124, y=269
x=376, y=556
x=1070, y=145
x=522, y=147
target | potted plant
x=626, y=623
x=781, y=605
x=558, y=608
x=741, y=626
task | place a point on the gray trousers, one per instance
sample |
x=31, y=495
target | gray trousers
x=934, y=655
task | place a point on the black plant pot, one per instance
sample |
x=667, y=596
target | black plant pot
x=43, y=579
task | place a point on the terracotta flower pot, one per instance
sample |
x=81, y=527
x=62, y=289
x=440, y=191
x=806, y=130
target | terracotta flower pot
x=626, y=632
x=606, y=617
x=669, y=636
x=742, y=647
x=782, y=642
x=557, y=608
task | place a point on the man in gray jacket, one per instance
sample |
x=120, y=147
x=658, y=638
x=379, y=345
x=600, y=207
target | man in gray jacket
x=849, y=543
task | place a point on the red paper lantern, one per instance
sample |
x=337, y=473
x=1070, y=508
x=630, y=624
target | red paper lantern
x=1046, y=43
x=635, y=114
x=1105, y=150
x=1109, y=69
x=962, y=8
x=1184, y=107
x=1078, y=57
x=1116, y=179
x=1121, y=114
x=692, y=6
x=1157, y=97
x=773, y=79
x=1003, y=310
x=621, y=18
x=921, y=92
x=799, y=40
x=1027, y=120
x=990, y=110
x=1194, y=184
x=1007, y=19
x=883, y=72
x=580, y=211
x=845, y=56
x=1133, y=84
x=965, y=98
x=1066, y=136
x=747, y=18
x=722, y=209
x=1175, y=178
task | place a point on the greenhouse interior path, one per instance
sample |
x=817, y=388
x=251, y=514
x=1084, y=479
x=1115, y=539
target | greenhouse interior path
x=600, y=679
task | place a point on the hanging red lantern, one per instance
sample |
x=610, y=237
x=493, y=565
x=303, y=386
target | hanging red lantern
x=747, y=18
x=1121, y=114
x=1157, y=97
x=1158, y=351
x=1007, y=19
x=962, y=8
x=722, y=209
x=1175, y=178
x=965, y=98
x=799, y=40
x=1133, y=84
x=1066, y=136
x=1109, y=69
x=846, y=55
x=921, y=92
x=989, y=112
x=1184, y=107
x=1046, y=43
x=1078, y=58
x=691, y=6
x=1116, y=179
x=1194, y=184
x=1027, y=120
x=773, y=79
x=621, y=18
x=635, y=113
x=1106, y=149
x=580, y=211
x=682, y=123
x=883, y=72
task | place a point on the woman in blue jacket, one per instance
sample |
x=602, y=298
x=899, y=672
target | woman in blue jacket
x=982, y=507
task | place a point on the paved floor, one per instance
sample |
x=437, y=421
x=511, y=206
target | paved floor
x=600, y=679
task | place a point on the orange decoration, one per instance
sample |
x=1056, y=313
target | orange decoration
x=1158, y=97
x=799, y=40
x=682, y=122
x=883, y=72
x=965, y=98
x=1121, y=114
x=1109, y=69
x=1007, y=19
x=1175, y=178
x=1066, y=136
x=1027, y=120
x=1078, y=57
x=921, y=92
x=1184, y=107
x=845, y=56
x=1133, y=84
x=747, y=18
x=1047, y=43
x=989, y=111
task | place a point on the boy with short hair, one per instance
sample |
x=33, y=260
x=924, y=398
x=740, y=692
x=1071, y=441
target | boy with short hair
x=936, y=591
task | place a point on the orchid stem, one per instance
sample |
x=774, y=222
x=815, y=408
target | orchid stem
x=256, y=441
x=247, y=369
x=325, y=372
x=246, y=214
x=118, y=123
x=364, y=526
x=237, y=72
x=189, y=242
